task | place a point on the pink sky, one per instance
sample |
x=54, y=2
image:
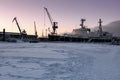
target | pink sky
x=66, y=12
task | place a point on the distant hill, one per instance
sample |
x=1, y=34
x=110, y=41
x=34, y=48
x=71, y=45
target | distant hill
x=113, y=27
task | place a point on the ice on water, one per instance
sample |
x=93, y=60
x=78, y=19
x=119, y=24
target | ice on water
x=59, y=61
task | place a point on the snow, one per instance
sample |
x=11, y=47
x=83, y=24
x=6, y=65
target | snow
x=59, y=61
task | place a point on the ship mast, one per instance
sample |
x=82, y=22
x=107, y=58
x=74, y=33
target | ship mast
x=100, y=27
x=82, y=23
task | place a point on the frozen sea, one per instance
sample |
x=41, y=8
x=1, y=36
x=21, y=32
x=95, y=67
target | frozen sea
x=59, y=61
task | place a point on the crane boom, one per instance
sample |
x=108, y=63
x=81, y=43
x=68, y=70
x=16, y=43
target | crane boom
x=50, y=18
x=15, y=19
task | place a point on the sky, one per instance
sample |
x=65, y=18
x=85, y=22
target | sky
x=67, y=13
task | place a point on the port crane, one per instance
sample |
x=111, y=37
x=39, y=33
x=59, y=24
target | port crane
x=21, y=32
x=35, y=29
x=54, y=24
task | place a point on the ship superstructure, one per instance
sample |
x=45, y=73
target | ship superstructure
x=84, y=34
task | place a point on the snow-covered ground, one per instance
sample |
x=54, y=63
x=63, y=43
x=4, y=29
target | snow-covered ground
x=59, y=61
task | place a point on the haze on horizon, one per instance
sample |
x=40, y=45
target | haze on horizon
x=66, y=12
